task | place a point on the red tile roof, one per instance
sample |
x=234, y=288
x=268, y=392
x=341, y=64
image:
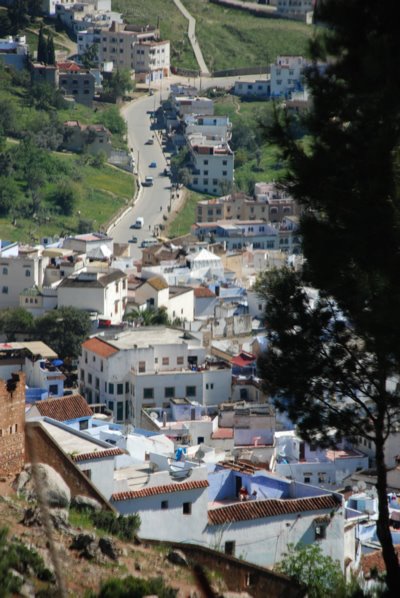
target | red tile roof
x=202, y=292
x=68, y=66
x=272, y=507
x=243, y=359
x=64, y=408
x=222, y=434
x=98, y=454
x=241, y=465
x=374, y=560
x=154, y=490
x=100, y=347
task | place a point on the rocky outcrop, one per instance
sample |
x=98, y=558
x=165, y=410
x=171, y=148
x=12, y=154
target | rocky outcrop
x=47, y=481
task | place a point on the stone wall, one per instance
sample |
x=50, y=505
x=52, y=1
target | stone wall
x=12, y=422
x=41, y=448
x=238, y=575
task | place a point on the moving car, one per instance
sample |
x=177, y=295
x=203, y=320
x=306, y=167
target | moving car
x=153, y=165
x=150, y=141
x=133, y=240
x=138, y=223
x=148, y=181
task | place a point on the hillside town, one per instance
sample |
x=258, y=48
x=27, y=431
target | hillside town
x=163, y=409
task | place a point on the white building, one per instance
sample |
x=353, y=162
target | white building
x=213, y=163
x=178, y=300
x=22, y=270
x=216, y=126
x=105, y=293
x=148, y=366
x=252, y=89
x=132, y=47
x=286, y=75
x=309, y=464
x=201, y=106
x=296, y=9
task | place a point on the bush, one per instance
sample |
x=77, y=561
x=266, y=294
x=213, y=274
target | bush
x=133, y=587
x=112, y=119
x=123, y=527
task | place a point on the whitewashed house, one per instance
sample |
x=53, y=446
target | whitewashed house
x=105, y=293
x=146, y=367
x=300, y=461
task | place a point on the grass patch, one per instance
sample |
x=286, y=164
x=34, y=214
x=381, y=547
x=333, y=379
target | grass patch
x=186, y=215
x=228, y=38
x=103, y=191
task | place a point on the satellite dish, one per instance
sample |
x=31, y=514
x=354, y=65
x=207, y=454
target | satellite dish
x=154, y=416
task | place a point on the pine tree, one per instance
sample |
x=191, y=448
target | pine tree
x=51, y=55
x=334, y=364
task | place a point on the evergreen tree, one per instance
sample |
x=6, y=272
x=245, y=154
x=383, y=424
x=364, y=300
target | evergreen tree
x=51, y=54
x=337, y=363
x=42, y=47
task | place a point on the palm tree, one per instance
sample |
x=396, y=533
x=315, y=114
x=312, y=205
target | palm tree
x=149, y=316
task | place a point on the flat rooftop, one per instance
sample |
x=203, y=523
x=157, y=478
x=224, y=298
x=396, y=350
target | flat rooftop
x=150, y=335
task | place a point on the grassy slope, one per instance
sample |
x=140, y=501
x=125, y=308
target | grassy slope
x=103, y=191
x=231, y=38
x=228, y=38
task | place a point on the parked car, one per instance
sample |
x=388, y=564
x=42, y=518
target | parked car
x=133, y=240
x=167, y=172
x=150, y=141
x=153, y=165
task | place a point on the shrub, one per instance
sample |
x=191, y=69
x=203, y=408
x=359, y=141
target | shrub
x=123, y=527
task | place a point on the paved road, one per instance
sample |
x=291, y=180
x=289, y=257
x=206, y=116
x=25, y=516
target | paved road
x=150, y=199
x=159, y=195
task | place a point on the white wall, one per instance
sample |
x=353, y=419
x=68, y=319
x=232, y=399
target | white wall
x=101, y=473
x=181, y=306
x=14, y=277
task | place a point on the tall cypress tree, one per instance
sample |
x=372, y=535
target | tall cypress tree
x=336, y=364
x=42, y=47
x=51, y=55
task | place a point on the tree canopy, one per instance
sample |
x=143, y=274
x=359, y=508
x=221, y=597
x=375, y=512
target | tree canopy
x=347, y=181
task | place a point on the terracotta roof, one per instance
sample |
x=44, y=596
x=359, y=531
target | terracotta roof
x=222, y=434
x=100, y=347
x=98, y=454
x=241, y=465
x=157, y=283
x=64, y=408
x=272, y=507
x=374, y=560
x=155, y=490
x=68, y=66
x=201, y=292
x=243, y=359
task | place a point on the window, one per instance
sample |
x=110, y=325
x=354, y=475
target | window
x=101, y=366
x=111, y=388
x=84, y=425
x=4, y=290
x=230, y=548
x=169, y=392
x=205, y=172
x=126, y=386
x=120, y=410
x=179, y=360
x=82, y=375
x=97, y=383
x=89, y=378
x=53, y=389
x=142, y=367
x=165, y=360
x=187, y=508
x=191, y=391
x=320, y=532
x=5, y=270
x=148, y=393
x=205, y=162
x=321, y=477
x=164, y=504
x=120, y=389
x=88, y=473
x=224, y=173
x=307, y=479
x=224, y=162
